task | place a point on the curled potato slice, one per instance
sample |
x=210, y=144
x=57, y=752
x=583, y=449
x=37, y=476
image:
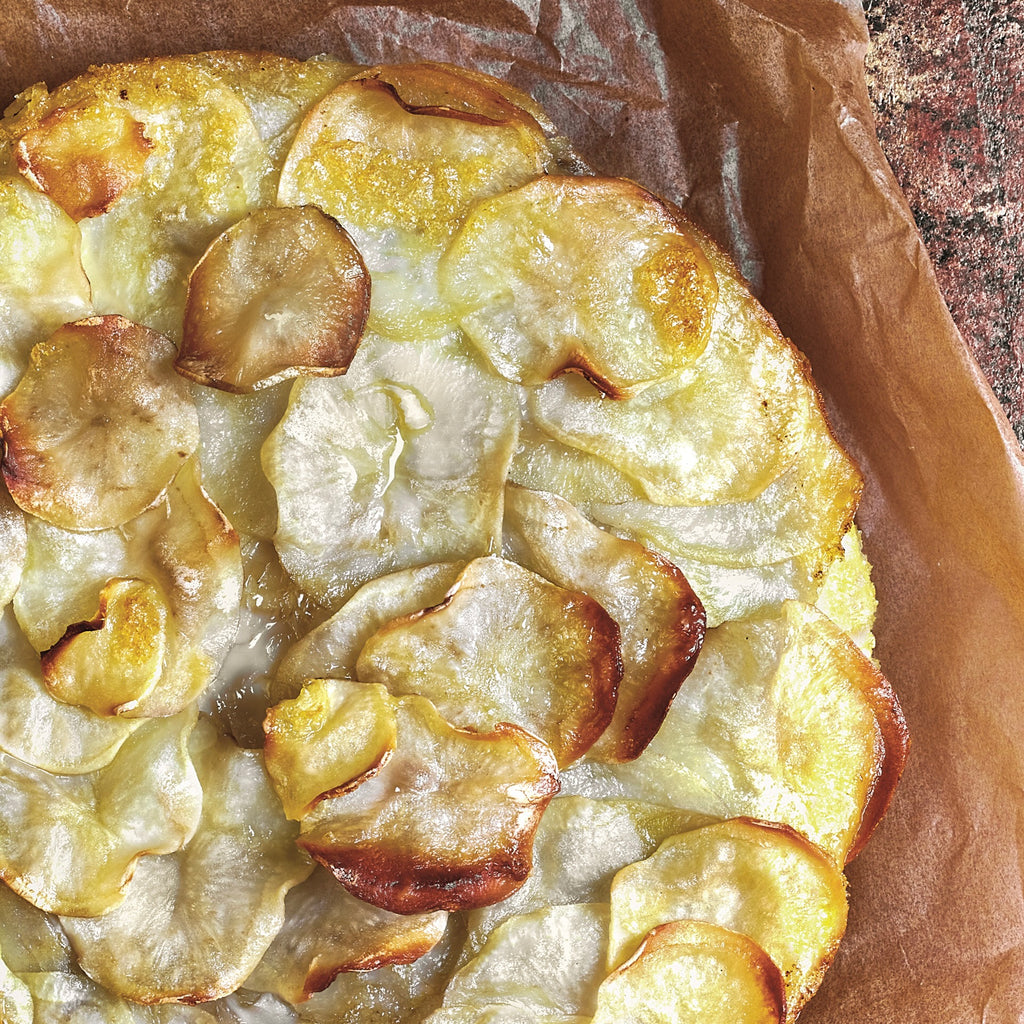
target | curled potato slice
x=70, y=843
x=98, y=426
x=506, y=646
x=783, y=719
x=592, y=275
x=661, y=622
x=448, y=821
x=328, y=932
x=194, y=923
x=282, y=292
x=693, y=972
x=760, y=880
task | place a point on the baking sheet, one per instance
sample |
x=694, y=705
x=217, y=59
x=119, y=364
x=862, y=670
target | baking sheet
x=754, y=115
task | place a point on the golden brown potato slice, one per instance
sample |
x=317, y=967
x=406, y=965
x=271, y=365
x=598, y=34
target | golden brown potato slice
x=661, y=622
x=783, y=719
x=334, y=735
x=506, y=646
x=327, y=932
x=761, y=880
x=194, y=923
x=693, y=972
x=448, y=821
x=281, y=293
x=70, y=843
x=98, y=426
x=592, y=275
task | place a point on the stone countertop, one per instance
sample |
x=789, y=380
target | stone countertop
x=947, y=81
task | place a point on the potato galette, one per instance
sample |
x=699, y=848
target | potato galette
x=430, y=587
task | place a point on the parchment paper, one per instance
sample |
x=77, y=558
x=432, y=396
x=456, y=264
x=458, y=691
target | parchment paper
x=755, y=116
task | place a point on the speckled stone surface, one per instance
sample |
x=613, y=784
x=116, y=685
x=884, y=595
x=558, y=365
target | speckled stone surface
x=947, y=81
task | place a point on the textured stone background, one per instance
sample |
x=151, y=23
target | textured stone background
x=947, y=81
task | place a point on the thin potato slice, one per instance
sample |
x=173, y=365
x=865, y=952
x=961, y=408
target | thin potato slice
x=783, y=719
x=399, y=463
x=847, y=595
x=692, y=972
x=760, y=880
x=13, y=547
x=16, y=1006
x=660, y=620
x=591, y=275
x=328, y=932
x=70, y=843
x=506, y=646
x=326, y=741
x=194, y=923
x=281, y=293
x=331, y=650
x=98, y=426
x=446, y=824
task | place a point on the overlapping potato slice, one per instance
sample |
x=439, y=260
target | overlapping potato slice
x=328, y=932
x=42, y=731
x=187, y=556
x=542, y=966
x=281, y=293
x=70, y=843
x=661, y=622
x=692, y=972
x=506, y=645
x=784, y=719
x=847, y=595
x=194, y=923
x=399, y=463
x=332, y=649
x=760, y=880
x=42, y=283
x=13, y=547
x=446, y=824
x=592, y=275
x=98, y=425
x=398, y=155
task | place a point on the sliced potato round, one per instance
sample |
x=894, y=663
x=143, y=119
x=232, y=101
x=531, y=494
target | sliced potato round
x=16, y=1003
x=328, y=932
x=760, y=880
x=692, y=972
x=783, y=719
x=591, y=275
x=281, y=293
x=98, y=426
x=70, y=843
x=331, y=737
x=506, y=646
x=13, y=547
x=399, y=463
x=194, y=923
x=446, y=824
x=661, y=622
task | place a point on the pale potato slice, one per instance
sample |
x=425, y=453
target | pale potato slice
x=13, y=547
x=194, y=923
x=279, y=294
x=70, y=843
x=847, y=595
x=661, y=622
x=399, y=463
x=505, y=645
x=328, y=932
x=98, y=426
x=783, y=719
x=691, y=972
x=16, y=1005
x=31, y=940
x=446, y=824
x=331, y=650
x=42, y=282
x=760, y=880
x=591, y=275
x=44, y=732
x=326, y=741
x=186, y=552
x=398, y=155
x=547, y=965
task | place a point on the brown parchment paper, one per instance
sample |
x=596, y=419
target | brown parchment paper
x=754, y=115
